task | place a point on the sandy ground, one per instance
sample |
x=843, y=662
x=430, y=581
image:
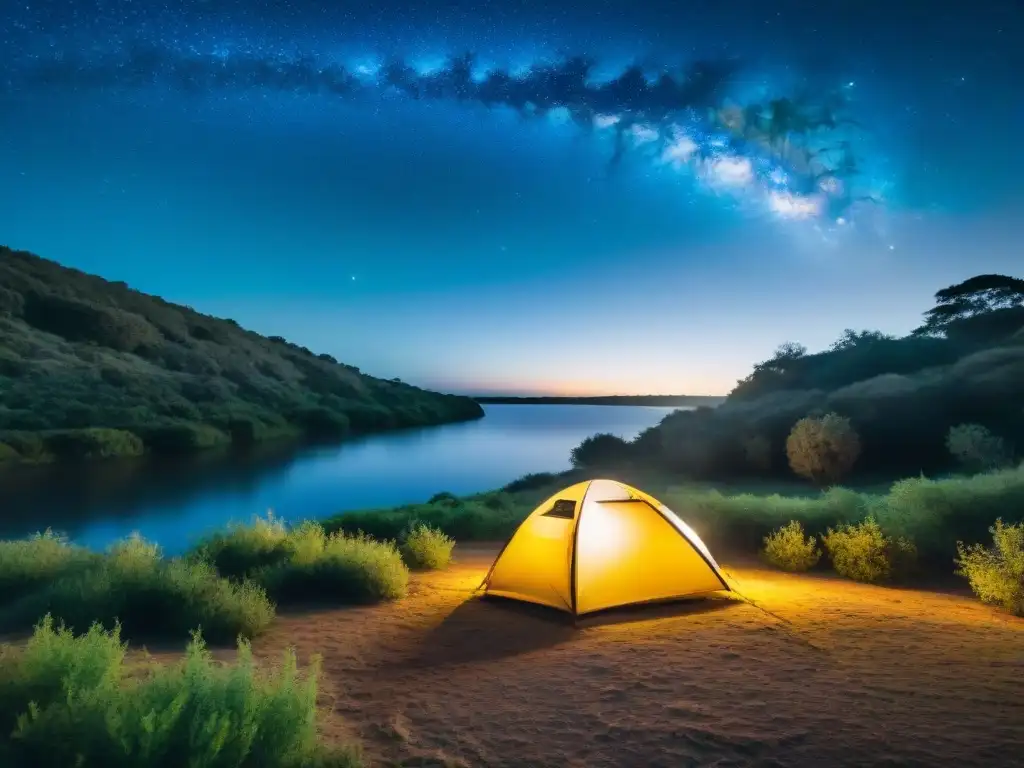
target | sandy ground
x=824, y=673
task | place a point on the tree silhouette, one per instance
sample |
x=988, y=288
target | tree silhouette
x=974, y=297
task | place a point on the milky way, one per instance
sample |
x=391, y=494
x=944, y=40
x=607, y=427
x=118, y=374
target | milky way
x=792, y=155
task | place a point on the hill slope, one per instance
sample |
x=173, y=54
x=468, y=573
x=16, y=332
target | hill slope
x=81, y=356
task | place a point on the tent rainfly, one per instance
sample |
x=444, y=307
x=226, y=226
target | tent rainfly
x=602, y=544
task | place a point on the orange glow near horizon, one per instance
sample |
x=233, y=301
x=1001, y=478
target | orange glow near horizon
x=584, y=388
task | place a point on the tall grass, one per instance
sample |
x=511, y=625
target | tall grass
x=150, y=597
x=68, y=700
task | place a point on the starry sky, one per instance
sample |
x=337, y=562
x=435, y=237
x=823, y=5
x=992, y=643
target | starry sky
x=526, y=196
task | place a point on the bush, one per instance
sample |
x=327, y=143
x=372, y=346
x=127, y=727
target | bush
x=788, y=548
x=976, y=448
x=862, y=552
x=600, y=450
x=531, y=482
x=71, y=701
x=150, y=597
x=83, y=321
x=31, y=563
x=335, y=568
x=242, y=550
x=427, y=548
x=7, y=453
x=823, y=449
x=996, y=574
x=93, y=443
x=444, y=497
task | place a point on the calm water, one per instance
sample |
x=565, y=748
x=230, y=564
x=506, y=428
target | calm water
x=173, y=503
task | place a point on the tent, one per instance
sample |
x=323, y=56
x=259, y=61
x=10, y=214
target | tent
x=602, y=544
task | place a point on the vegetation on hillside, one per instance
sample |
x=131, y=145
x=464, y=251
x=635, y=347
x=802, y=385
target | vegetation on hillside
x=91, y=368
x=947, y=396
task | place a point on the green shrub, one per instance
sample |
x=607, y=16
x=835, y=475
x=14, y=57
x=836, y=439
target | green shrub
x=93, y=443
x=789, y=549
x=601, y=450
x=7, y=453
x=823, y=449
x=531, y=482
x=150, y=597
x=444, y=497
x=242, y=550
x=335, y=568
x=83, y=321
x=72, y=701
x=863, y=552
x=996, y=573
x=427, y=548
x=975, y=447
x=29, y=564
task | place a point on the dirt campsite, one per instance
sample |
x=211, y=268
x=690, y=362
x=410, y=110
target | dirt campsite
x=794, y=670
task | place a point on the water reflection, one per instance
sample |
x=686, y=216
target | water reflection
x=173, y=502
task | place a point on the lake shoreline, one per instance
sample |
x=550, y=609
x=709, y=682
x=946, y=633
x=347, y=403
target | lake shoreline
x=174, y=499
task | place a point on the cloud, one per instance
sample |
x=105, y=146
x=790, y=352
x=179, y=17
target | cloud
x=731, y=171
x=643, y=134
x=789, y=206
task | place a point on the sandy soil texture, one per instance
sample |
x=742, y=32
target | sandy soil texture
x=817, y=672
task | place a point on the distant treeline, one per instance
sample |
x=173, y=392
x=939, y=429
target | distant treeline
x=91, y=368
x=679, y=401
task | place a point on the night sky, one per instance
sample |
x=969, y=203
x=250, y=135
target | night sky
x=599, y=199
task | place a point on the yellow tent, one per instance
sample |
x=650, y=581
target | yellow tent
x=601, y=544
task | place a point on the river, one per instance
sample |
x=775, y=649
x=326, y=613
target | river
x=174, y=503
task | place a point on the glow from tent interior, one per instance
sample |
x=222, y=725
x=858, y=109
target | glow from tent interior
x=601, y=533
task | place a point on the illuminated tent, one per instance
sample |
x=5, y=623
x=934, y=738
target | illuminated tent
x=601, y=544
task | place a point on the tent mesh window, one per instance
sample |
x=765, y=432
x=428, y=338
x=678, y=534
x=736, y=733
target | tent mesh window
x=565, y=508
